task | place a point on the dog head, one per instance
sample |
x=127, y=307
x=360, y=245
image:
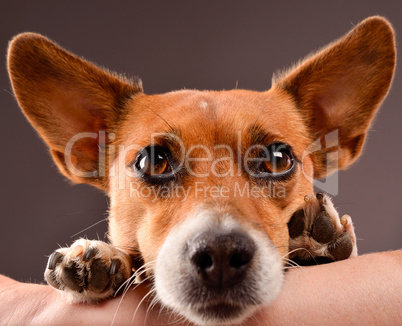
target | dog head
x=203, y=183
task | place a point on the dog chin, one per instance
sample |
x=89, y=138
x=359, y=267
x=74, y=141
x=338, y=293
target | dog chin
x=182, y=288
x=220, y=314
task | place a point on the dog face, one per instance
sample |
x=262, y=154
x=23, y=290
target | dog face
x=199, y=179
x=212, y=173
x=210, y=198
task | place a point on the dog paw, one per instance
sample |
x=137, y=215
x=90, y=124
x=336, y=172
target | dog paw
x=317, y=235
x=88, y=271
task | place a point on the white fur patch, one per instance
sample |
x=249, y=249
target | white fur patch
x=203, y=104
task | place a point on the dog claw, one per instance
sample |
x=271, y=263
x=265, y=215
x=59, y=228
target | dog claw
x=114, y=266
x=90, y=253
x=54, y=259
x=320, y=198
x=345, y=220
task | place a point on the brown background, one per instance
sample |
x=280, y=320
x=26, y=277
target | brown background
x=171, y=45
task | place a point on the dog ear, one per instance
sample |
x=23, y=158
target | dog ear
x=69, y=101
x=340, y=89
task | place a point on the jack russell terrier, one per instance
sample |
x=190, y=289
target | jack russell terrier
x=210, y=191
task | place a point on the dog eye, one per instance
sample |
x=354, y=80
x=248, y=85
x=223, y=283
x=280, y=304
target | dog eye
x=153, y=161
x=275, y=159
x=279, y=161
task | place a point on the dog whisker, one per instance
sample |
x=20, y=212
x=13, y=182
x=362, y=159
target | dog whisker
x=262, y=110
x=158, y=115
x=144, y=268
x=296, y=249
x=129, y=282
x=125, y=283
x=292, y=264
x=133, y=279
x=151, y=292
x=128, y=285
x=167, y=311
x=176, y=318
x=89, y=227
x=155, y=301
x=135, y=275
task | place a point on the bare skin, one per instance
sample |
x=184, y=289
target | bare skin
x=365, y=290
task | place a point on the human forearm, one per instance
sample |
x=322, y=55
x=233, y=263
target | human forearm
x=366, y=290
x=362, y=290
x=20, y=303
x=42, y=305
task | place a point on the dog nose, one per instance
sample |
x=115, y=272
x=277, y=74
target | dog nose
x=221, y=260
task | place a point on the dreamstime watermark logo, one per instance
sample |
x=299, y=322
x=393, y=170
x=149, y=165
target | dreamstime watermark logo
x=202, y=161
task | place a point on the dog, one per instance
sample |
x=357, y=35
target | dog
x=211, y=192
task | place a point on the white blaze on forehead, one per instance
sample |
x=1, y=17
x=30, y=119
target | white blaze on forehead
x=171, y=274
x=203, y=104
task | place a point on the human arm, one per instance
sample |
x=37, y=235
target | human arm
x=42, y=305
x=362, y=290
x=366, y=290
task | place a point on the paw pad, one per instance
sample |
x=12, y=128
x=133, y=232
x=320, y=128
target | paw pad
x=318, y=235
x=323, y=230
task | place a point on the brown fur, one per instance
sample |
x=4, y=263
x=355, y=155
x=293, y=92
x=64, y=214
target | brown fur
x=62, y=95
x=340, y=87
